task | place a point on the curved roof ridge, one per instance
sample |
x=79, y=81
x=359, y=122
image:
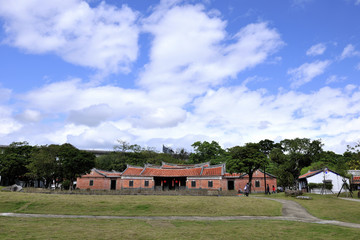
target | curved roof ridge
x=132, y=166
x=215, y=166
x=195, y=165
x=98, y=171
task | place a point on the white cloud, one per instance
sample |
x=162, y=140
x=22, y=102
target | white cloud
x=229, y=115
x=357, y=66
x=5, y=94
x=29, y=115
x=349, y=51
x=90, y=116
x=316, y=50
x=180, y=99
x=192, y=51
x=357, y=2
x=104, y=38
x=334, y=79
x=306, y=72
x=92, y=105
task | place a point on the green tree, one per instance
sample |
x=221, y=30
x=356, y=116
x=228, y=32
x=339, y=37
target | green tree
x=300, y=153
x=74, y=162
x=265, y=147
x=352, y=156
x=247, y=159
x=44, y=165
x=331, y=160
x=13, y=162
x=205, y=151
x=282, y=167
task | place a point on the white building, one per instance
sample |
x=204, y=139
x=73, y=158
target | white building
x=319, y=176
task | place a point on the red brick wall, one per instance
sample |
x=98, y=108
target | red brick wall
x=240, y=183
x=137, y=183
x=203, y=184
x=98, y=183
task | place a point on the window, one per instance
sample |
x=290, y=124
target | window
x=210, y=183
x=131, y=183
x=257, y=183
x=146, y=183
x=193, y=183
x=91, y=182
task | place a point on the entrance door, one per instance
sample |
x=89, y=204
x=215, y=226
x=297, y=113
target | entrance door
x=231, y=185
x=170, y=183
x=113, y=185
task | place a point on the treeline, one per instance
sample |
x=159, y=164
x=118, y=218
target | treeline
x=133, y=154
x=48, y=164
x=287, y=159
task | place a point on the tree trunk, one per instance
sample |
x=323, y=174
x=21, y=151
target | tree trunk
x=265, y=180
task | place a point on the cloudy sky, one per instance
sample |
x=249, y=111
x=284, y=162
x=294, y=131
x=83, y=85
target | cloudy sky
x=175, y=72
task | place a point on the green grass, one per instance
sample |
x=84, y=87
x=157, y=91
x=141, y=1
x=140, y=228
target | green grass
x=138, y=205
x=328, y=207
x=323, y=206
x=42, y=228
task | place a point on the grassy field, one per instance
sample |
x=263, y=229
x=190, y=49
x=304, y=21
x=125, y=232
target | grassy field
x=138, y=205
x=41, y=228
x=328, y=207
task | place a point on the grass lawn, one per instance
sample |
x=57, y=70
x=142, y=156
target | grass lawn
x=328, y=207
x=41, y=228
x=138, y=205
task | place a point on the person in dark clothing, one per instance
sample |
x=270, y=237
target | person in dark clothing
x=268, y=189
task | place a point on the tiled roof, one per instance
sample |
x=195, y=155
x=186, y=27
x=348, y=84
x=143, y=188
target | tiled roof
x=97, y=173
x=108, y=173
x=212, y=171
x=309, y=174
x=171, y=166
x=257, y=173
x=157, y=172
x=174, y=165
x=232, y=175
x=132, y=171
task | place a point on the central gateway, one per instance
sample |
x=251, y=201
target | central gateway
x=170, y=183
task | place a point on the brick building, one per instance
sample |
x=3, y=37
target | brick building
x=174, y=177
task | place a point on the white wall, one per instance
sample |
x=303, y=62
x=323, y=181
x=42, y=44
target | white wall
x=335, y=179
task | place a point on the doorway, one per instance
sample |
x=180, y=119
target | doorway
x=231, y=185
x=170, y=183
x=113, y=185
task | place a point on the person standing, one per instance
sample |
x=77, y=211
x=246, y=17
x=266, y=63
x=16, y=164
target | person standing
x=273, y=189
x=268, y=189
x=246, y=190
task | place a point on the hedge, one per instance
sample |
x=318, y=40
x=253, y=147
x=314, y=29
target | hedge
x=328, y=185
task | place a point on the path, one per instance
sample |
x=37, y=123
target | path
x=295, y=212
x=351, y=199
x=291, y=211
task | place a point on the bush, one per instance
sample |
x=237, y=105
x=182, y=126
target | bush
x=328, y=185
x=66, y=184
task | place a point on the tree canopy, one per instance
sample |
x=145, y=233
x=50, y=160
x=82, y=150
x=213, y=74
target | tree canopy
x=287, y=159
x=246, y=159
x=205, y=151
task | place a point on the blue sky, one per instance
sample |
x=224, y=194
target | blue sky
x=175, y=72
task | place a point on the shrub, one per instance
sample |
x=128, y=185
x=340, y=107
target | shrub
x=328, y=185
x=66, y=184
